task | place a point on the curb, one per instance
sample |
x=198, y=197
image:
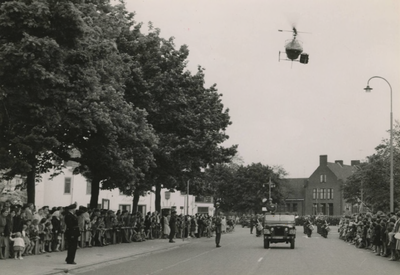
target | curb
x=94, y=266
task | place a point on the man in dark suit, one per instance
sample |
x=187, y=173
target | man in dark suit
x=71, y=233
x=218, y=228
x=251, y=224
x=172, y=225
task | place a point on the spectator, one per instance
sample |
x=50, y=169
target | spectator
x=167, y=229
x=56, y=230
x=4, y=233
x=29, y=211
x=27, y=242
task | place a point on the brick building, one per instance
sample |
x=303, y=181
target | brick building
x=322, y=191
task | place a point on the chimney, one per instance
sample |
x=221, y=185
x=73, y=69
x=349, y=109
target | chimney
x=323, y=160
x=340, y=162
x=355, y=162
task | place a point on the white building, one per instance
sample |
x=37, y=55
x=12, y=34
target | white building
x=68, y=188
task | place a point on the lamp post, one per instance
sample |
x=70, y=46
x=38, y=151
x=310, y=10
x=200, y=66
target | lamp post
x=187, y=199
x=368, y=89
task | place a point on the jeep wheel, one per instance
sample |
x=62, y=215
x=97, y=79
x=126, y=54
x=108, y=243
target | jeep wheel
x=266, y=243
x=292, y=244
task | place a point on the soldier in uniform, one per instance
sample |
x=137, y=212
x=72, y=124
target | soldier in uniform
x=172, y=225
x=251, y=224
x=72, y=232
x=308, y=227
x=218, y=229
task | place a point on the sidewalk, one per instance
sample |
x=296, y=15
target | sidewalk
x=86, y=258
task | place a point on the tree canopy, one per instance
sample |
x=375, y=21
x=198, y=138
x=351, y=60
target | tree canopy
x=80, y=76
x=373, y=177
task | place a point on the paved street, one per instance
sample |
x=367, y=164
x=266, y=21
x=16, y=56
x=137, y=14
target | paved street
x=241, y=253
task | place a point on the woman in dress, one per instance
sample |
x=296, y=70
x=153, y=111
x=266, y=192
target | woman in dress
x=167, y=229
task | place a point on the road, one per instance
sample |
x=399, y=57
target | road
x=242, y=253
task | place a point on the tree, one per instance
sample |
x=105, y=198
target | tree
x=242, y=188
x=62, y=89
x=189, y=119
x=117, y=148
x=373, y=176
x=36, y=38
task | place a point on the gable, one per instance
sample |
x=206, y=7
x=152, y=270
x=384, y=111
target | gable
x=342, y=172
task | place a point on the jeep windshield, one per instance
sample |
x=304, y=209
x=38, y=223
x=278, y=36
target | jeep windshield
x=279, y=218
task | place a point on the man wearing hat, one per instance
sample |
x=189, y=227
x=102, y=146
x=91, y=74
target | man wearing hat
x=72, y=232
x=172, y=225
x=218, y=228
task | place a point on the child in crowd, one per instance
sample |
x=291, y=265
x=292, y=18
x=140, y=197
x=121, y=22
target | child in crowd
x=47, y=236
x=42, y=235
x=359, y=240
x=19, y=245
x=369, y=236
x=27, y=242
x=33, y=234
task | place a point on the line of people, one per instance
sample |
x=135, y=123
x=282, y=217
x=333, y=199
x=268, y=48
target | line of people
x=375, y=232
x=45, y=230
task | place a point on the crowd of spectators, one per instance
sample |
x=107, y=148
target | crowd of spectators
x=375, y=232
x=42, y=230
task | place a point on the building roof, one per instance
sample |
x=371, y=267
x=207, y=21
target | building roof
x=295, y=187
x=342, y=172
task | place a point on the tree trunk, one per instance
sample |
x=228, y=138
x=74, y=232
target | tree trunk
x=95, y=193
x=158, y=197
x=135, y=201
x=30, y=185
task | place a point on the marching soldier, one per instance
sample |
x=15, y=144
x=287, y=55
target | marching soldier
x=308, y=227
x=72, y=232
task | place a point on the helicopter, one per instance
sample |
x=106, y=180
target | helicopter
x=294, y=49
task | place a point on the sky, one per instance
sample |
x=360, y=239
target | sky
x=288, y=114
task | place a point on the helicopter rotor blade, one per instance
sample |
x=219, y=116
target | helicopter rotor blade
x=292, y=31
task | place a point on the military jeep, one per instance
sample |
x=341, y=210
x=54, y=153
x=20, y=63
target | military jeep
x=279, y=228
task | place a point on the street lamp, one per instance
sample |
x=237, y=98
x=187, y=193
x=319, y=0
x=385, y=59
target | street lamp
x=368, y=89
x=187, y=199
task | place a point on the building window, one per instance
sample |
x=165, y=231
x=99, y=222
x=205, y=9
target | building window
x=324, y=194
x=288, y=207
x=202, y=210
x=322, y=178
x=315, y=208
x=105, y=204
x=320, y=193
x=314, y=194
x=123, y=207
x=329, y=194
x=207, y=199
x=294, y=206
x=88, y=188
x=330, y=209
x=323, y=208
x=67, y=186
